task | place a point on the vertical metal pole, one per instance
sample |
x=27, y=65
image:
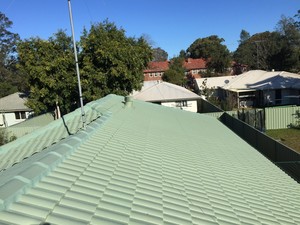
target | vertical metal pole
x=77, y=67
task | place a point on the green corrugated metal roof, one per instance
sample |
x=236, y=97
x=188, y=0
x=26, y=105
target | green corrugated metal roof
x=148, y=164
x=29, y=125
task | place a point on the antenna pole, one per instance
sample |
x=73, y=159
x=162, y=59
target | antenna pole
x=77, y=67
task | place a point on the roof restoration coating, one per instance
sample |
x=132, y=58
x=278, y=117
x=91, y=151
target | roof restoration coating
x=147, y=164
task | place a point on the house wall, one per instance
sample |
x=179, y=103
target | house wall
x=184, y=105
x=9, y=118
x=149, y=76
x=271, y=99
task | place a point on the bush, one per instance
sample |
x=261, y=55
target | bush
x=4, y=138
x=297, y=124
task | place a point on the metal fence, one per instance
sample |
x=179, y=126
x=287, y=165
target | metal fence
x=280, y=117
x=253, y=117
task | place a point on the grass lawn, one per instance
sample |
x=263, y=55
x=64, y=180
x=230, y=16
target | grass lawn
x=288, y=137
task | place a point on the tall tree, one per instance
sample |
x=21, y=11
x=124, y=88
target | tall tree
x=279, y=50
x=212, y=49
x=175, y=73
x=9, y=78
x=159, y=55
x=112, y=62
x=51, y=72
x=289, y=32
x=257, y=51
x=244, y=36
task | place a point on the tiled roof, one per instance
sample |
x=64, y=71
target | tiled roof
x=264, y=80
x=164, y=91
x=141, y=163
x=190, y=64
x=40, y=139
x=14, y=102
x=157, y=66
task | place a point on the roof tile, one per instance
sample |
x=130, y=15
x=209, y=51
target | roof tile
x=149, y=165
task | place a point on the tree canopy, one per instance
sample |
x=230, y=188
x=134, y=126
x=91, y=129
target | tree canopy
x=159, y=55
x=279, y=50
x=112, y=62
x=109, y=63
x=10, y=79
x=49, y=65
x=212, y=49
x=175, y=73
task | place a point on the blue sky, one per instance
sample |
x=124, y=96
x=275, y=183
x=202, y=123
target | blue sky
x=172, y=25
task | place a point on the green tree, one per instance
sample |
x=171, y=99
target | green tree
x=159, y=55
x=49, y=65
x=289, y=54
x=10, y=80
x=244, y=36
x=112, y=62
x=279, y=50
x=257, y=51
x=212, y=49
x=175, y=73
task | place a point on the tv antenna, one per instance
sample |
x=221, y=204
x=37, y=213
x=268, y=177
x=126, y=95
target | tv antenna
x=77, y=67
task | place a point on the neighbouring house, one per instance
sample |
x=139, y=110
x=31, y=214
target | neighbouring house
x=168, y=94
x=13, y=109
x=260, y=88
x=238, y=68
x=141, y=163
x=194, y=67
x=212, y=84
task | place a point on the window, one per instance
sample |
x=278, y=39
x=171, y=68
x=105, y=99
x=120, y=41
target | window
x=20, y=115
x=181, y=104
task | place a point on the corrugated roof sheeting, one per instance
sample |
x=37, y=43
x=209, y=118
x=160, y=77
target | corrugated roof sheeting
x=148, y=164
x=264, y=80
x=164, y=91
x=14, y=102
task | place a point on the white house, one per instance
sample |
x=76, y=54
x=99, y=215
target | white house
x=13, y=109
x=263, y=88
x=168, y=94
x=212, y=83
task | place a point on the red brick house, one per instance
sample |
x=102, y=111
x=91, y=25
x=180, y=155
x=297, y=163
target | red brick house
x=193, y=67
x=155, y=70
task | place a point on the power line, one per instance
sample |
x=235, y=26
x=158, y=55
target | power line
x=10, y=4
